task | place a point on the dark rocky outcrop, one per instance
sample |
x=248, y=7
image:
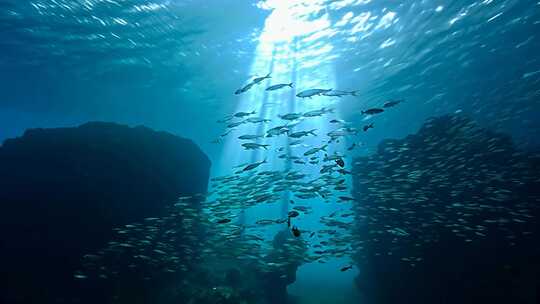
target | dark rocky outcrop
x=62, y=191
x=448, y=215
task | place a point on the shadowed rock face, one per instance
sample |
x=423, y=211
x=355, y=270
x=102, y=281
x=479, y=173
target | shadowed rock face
x=448, y=215
x=63, y=190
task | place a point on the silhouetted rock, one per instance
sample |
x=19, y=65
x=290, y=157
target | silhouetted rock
x=448, y=215
x=64, y=190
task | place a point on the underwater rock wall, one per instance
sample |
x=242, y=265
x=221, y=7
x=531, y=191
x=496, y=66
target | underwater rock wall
x=448, y=215
x=64, y=190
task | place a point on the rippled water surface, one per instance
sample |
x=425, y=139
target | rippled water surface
x=175, y=65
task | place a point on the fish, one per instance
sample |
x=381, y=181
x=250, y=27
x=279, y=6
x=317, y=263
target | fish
x=312, y=92
x=259, y=79
x=340, y=162
x=277, y=131
x=338, y=93
x=337, y=121
x=254, y=146
x=244, y=89
x=345, y=268
x=295, y=231
x=351, y=147
x=300, y=134
x=373, y=111
x=326, y=169
x=367, y=127
x=346, y=198
x=315, y=150
x=234, y=124
x=249, y=137
x=279, y=86
x=319, y=112
x=290, y=116
x=392, y=103
x=243, y=114
x=254, y=165
x=223, y=221
x=257, y=120
x=265, y=222
x=293, y=213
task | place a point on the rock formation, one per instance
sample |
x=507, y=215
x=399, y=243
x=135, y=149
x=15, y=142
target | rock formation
x=64, y=190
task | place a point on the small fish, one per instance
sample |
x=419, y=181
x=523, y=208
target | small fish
x=346, y=198
x=315, y=150
x=295, y=231
x=249, y=137
x=257, y=120
x=312, y=92
x=290, y=116
x=367, y=127
x=338, y=93
x=223, y=221
x=244, y=89
x=351, y=147
x=234, y=124
x=337, y=121
x=277, y=131
x=254, y=165
x=279, y=86
x=392, y=103
x=312, y=234
x=373, y=111
x=259, y=79
x=293, y=213
x=254, y=146
x=320, y=112
x=243, y=114
x=346, y=268
x=300, y=134
x=340, y=162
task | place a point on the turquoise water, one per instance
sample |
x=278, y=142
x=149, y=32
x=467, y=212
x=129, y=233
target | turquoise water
x=176, y=65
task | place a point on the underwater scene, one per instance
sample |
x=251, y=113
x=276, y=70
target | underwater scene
x=269, y=151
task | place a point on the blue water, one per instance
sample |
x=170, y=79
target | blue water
x=174, y=65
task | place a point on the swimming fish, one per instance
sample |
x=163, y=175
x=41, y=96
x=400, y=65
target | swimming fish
x=367, y=127
x=338, y=93
x=302, y=133
x=346, y=268
x=259, y=79
x=315, y=150
x=244, y=89
x=312, y=92
x=279, y=86
x=254, y=146
x=254, y=165
x=295, y=231
x=392, y=103
x=250, y=137
x=242, y=114
x=319, y=112
x=290, y=116
x=373, y=111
